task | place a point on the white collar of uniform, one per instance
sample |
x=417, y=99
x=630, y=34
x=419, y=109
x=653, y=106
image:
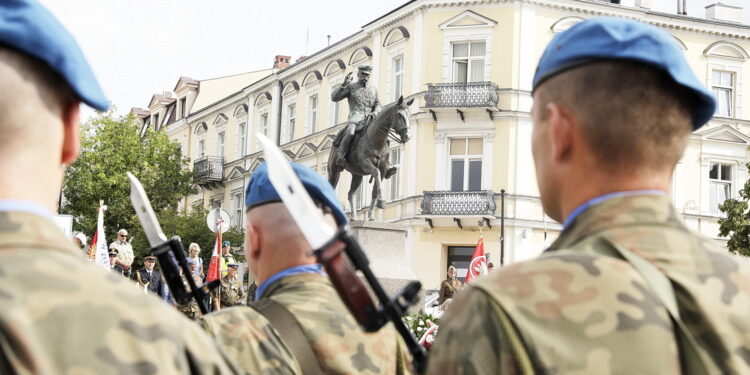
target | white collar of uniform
x=19, y=205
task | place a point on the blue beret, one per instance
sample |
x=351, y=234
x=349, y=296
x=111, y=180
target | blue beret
x=260, y=190
x=28, y=27
x=606, y=38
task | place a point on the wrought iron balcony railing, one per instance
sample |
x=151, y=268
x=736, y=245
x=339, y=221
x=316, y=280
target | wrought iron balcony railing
x=467, y=94
x=209, y=170
x=478, y=202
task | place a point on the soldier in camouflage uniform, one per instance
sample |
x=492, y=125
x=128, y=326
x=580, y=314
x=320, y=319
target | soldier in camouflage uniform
x=60, y=314
x=363, y=107
x=190, y=309
x=231, y=287
x=278, y=256
x=626, y=288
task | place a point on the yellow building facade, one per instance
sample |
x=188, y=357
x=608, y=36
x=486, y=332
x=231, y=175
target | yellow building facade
x=469, y=66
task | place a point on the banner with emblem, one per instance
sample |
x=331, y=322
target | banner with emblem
x=102, y=253
x=214, y=268
x=478, y=264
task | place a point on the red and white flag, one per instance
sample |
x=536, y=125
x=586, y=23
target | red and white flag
x=478, y=265
x=101, y=256
x=214, y=268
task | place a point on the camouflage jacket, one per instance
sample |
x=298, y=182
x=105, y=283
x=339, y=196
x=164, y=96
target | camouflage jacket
x=191, y=309
x=576, y=311
x=340, y=346
x=60, y=314
x=363, y=100
x=231, y=291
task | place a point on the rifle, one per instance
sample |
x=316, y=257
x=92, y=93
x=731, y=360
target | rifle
x=342, y=257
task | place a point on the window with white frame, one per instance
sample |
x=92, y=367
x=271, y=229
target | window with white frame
x=312, y=109
x=335, y=109
x=468, y=61
x=201, y=148
x=397, y=76
x=291, y=120
x=466, y=164
x=183, y=107
x=262, y=127
x=719, y=185
x=236, y=218
x=241, y=137
x=393, y=185
x=722, y=86
x=220, y=144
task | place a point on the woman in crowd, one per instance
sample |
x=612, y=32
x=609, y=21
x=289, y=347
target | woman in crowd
x=193, y=251
x=449, y=287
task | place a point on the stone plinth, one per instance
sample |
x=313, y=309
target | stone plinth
x=385, y=247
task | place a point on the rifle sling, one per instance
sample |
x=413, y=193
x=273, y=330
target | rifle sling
x=291, y=333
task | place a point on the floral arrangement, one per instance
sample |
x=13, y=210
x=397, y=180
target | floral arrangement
x=424, y=326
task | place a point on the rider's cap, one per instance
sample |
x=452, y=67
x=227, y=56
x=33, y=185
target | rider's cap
x=26, y=26
x=605, y=38
x=260, y=191
x=365, y=69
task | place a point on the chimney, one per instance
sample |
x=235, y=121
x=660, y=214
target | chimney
x=724, y=12
x=281, y=62
x=300, y=59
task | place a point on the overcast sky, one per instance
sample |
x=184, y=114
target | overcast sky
x=141, y=47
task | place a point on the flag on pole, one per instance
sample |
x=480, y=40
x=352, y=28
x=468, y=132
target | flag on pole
x=478, y=265
x=214, y=268
x=102, y=253
x=92, y=248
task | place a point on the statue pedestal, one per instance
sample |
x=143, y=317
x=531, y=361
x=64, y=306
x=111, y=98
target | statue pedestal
x=385, y=247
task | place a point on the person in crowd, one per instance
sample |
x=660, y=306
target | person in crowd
x=231, y=288
x=112, y=260
x=190, y=309
x=80, y=241
x=149, y=279
x=626, y=288
x=193, y=253
x=449, y=287
x=251, y=290
x=490, y=267
x=125, y=255
x=290, y=280
x=68, y=316
x=226, y=257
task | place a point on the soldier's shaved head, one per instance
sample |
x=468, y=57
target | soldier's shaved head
x=38, y=111
x=273, y=242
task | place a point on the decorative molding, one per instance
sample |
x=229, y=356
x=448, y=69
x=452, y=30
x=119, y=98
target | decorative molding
x=565, y=23
x=263, y=98
x=680, y=43
x=727, y=50
x=359, y=55
x=334, y=67
x=200, y=128
x=468, y=19
x=240, y=110
x=290, y=87
x=312, y=78
x=396, y=35
x=221, y=119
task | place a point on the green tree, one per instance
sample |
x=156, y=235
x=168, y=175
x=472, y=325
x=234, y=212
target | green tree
x=737, y=223
x=110, y=146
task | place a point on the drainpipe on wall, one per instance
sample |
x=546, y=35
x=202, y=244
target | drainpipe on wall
x=278, y=116
x=502, y=227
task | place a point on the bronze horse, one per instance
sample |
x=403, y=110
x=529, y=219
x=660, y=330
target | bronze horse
x=370, y=153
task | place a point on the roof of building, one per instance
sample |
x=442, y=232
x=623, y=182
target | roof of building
x=212, y=90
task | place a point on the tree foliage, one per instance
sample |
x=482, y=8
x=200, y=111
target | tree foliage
x=736, y=224
x=110, y=146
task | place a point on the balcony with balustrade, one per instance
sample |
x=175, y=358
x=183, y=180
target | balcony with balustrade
x=458, y=207
x=460, y=96
x=209, y=171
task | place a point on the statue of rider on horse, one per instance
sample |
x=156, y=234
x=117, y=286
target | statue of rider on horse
x=373, y=124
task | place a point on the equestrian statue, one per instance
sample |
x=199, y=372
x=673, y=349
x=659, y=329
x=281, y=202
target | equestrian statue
x=362, y=146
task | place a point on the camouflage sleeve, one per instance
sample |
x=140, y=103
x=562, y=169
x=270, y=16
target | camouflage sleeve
x=250, y=342
x=471, y=339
